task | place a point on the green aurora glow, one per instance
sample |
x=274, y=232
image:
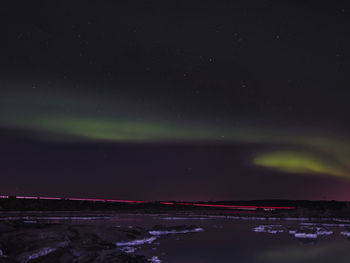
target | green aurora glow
x=297, y=162
x=63, y=117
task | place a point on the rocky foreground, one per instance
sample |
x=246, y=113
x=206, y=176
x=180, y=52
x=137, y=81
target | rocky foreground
x=33, y=242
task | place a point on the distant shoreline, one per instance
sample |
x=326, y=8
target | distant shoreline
x=257, y=208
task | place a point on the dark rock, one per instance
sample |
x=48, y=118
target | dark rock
x=66, y=243
x=7, y=260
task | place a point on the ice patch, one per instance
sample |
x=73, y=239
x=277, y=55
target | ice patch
x=319, y=229
x=345, y=233
x=325, y=224
x=128, y=250
x=271, y=229
x=185, y=218
x=323, y=232
x=306, y=235
x=39, y=253
x=341, y=220
x=155, y=259
x=24, y=258
x=137, y=242
x=168, y=232
x=263, y=218
x=312, y=231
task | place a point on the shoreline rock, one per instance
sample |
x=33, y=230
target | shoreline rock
x=79, y=243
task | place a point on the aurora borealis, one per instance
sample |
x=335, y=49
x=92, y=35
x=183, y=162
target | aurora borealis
x=295, y=162
x=141, y=103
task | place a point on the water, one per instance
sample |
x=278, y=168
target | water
x=237, y=240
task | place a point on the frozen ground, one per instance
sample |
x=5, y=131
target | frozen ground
x=153, y=237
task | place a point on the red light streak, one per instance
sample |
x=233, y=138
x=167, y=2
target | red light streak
x=105, y=200
x=86, y=199
x=125, y=201
x=50, y=198
x=163, y=203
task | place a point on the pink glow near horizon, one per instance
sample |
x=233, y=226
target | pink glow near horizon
x=247, y=206
x=167, y=203
x=184, y=203
x=163, y=203
x=105, y=200
x=239, y=212
x=27, y=197
x=50, y=198
x=126, y=201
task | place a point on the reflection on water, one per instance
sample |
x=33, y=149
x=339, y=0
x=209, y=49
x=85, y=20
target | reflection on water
x=226, y=240
x=330, y=249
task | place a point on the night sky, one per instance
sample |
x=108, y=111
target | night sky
x=170, y=100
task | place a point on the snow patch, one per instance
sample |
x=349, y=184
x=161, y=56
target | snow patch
x=325, y=224
x=271, y=229
x=24, y=258
x=185, y=218
x=323, y=232
x=168, y=232
x=128, y=250
x=306, y=235
x=345, y=233
x=155, y=259
x=137, y=242
x=39, y=253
